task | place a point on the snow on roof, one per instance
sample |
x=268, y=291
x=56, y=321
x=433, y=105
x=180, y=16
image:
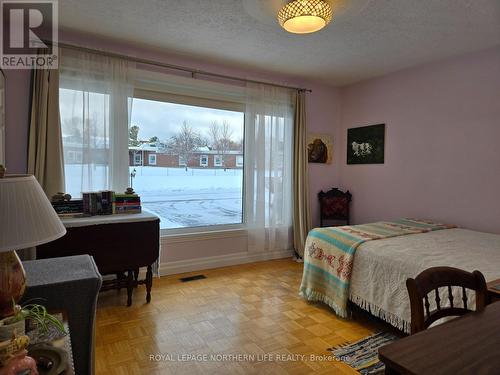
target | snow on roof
x=144, y=147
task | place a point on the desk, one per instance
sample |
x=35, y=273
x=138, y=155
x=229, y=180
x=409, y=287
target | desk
x=119, y=244
x=466, y=345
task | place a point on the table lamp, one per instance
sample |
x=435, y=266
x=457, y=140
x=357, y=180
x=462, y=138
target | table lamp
x=27, y=219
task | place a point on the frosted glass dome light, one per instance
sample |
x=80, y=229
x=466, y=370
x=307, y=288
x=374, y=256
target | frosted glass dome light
x=305, y=16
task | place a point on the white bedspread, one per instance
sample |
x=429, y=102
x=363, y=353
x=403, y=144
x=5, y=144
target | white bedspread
x=381, y=267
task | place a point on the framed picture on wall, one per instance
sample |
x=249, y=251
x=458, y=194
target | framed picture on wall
x=366, y=145
x=320, y=148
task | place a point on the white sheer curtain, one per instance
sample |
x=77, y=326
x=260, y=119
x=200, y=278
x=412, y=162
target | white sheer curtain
x=95, y=103
x=268, y=167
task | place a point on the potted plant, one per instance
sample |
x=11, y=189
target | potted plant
x=36, y=315
x=12, y=325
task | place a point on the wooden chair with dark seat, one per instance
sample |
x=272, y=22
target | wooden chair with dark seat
x=334, y=207
x=430, y=281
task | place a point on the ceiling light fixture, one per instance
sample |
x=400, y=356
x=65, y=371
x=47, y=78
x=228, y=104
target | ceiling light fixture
x=305, y=16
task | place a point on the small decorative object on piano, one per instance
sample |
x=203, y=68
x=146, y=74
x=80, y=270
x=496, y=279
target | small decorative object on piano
x=98, y=203
x=61, y=197
x=64, y=206
x=128, y=203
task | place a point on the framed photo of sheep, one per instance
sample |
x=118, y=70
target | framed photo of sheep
x=365, y=145
x=320, y=148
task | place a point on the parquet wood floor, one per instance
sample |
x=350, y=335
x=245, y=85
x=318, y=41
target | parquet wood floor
x=251, y=310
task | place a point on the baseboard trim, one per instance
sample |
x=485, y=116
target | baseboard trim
x=190, y=265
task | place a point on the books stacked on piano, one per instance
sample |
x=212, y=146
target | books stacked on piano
x=105, y=202
x=98, y=203
x=68, y=208
x=108, y=203
x=89, y=203
x=127, y=204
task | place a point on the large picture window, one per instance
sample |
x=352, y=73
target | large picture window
x=202, y=155
x=182, y=186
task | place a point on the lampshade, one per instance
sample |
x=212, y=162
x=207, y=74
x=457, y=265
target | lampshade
x=305, y=16
x=27, y=218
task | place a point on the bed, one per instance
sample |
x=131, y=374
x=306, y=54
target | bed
x=380, y=267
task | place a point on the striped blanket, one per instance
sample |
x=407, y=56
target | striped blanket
x=329, y=255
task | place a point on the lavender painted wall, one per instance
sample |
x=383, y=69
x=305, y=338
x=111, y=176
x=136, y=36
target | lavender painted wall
x=322, y=104
x=442, y=155
x=442, y=158
x=323, y=117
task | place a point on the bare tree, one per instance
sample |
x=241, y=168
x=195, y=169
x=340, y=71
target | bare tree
x=214, y=135
x=239, y=144
x=185, y=143
x=220, y=137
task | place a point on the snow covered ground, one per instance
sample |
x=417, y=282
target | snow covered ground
x=196, y=197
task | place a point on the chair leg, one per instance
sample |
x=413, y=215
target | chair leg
x=136, y=276
x=149, y=283
x=130, y=287
x=120, y=276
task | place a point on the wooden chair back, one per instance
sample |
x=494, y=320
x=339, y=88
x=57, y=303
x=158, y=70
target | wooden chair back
x=429, y=281
x=334, y=206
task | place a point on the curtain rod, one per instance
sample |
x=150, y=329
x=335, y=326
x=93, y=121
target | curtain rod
x=193, y=72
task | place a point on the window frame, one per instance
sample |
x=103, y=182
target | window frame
x=137, y=163
x=151, y=86
x=206, y=163
x=154, y=157
x=218, y=160
x=182, y=161
x=144, y=92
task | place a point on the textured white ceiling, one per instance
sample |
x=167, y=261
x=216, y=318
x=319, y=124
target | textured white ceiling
x=366, y=38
